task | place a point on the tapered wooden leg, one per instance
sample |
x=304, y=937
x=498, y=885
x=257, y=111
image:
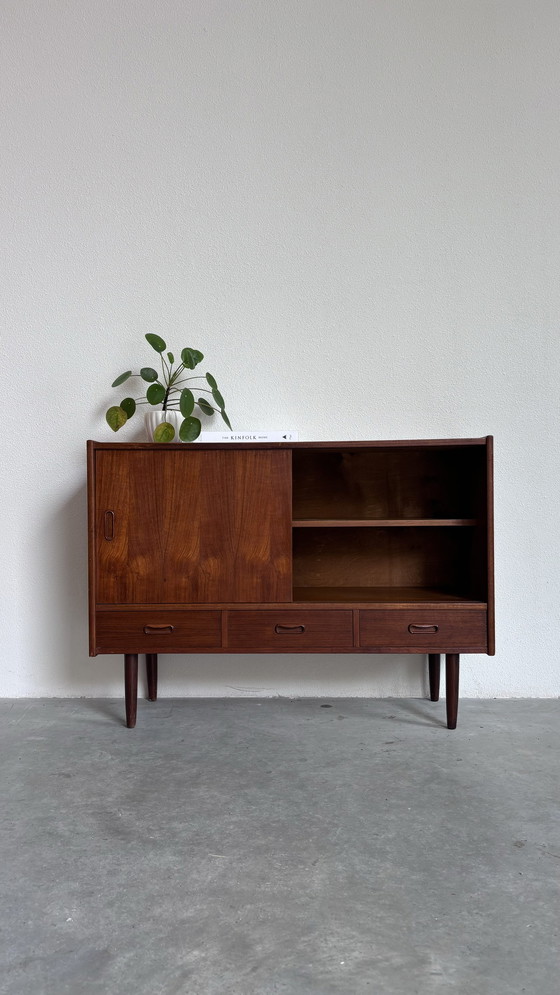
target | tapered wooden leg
x=452, y=688
x=151, y=675
x=433, y=672
x=130, y=688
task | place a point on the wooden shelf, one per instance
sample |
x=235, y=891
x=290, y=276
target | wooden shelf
x=341, y=523
x=383, y=596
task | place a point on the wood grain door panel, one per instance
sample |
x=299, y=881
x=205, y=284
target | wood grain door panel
x=193, y=527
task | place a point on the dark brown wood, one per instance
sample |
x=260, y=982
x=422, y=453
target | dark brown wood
x=411, y=597
x=425, y=629
x=452, y=688
x=355, y=627
x=389, y=483
x=92, y=552
x=158, y=631
x=194, y=526
x=152, y=675
x=131, y=688
x=490, y=541
x=289, y=631
x=434, y=558
x=396, y=597
x=386, y=523
x=109, y=526
x=343, y=444
x=335, y=547
x=434, y=666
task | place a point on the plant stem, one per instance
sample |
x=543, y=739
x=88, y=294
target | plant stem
x=188, y=379
x=178, y=371
x=166, y=381
x=175, y=390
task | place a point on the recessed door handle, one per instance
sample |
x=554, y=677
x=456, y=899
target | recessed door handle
x=415, y=628
x=289, y=630
x=157, y=630
x=109, y=525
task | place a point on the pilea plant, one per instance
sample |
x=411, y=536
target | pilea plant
x=169, y=390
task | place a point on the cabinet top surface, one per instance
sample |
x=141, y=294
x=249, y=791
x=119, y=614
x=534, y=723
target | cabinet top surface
x=342, y=444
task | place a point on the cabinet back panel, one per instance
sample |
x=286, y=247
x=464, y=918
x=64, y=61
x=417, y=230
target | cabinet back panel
x=193, y=527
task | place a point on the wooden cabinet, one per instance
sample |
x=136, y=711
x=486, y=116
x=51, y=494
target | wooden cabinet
x=346, y=547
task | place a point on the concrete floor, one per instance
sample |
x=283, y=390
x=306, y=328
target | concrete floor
x=275, y=846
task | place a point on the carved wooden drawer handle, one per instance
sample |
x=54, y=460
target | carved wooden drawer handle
x=415, y=627
x=156, y=630
x=289, y=630
x=109, y=525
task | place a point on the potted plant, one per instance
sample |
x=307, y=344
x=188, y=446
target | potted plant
x=172, y=392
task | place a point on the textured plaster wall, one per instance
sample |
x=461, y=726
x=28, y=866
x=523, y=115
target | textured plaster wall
x=352, y=207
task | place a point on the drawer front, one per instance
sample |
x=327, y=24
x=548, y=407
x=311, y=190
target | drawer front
x=157, y=631
x=423, y=630
x=290, y=630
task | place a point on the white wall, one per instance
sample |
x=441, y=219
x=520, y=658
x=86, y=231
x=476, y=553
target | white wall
x=351, y=206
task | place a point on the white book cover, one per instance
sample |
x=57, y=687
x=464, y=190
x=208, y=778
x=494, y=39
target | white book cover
x=248, y=437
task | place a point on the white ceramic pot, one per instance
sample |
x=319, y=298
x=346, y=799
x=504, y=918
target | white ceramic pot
x=155, y=417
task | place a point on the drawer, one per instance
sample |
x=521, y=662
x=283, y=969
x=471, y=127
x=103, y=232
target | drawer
x=424, y=630
x=159, y=631
x=289, y=630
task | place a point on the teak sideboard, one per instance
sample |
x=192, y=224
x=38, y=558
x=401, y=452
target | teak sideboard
x=310, y=547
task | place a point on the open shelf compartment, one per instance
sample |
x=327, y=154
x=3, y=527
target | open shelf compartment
x=389, y=565
x=384, y=485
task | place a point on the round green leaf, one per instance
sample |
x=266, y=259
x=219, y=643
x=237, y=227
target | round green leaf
x=191, y=358
x=164, y=432
x=155, y=342
x=128, y=404
x=190, y=429
x=171, y=357
x=225, y=418
x=121, y=379
x=186, y=402
x=218, y=398
x=205, y=406
x=211, y=381
x=116, y=418
x=156, y=393
x=148, y=374
x=187, y=359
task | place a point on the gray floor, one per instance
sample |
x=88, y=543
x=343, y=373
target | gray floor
x=279, y=846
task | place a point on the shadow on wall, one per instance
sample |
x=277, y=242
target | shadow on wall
x=66, y=587
x=74, y=673
x=295, y=675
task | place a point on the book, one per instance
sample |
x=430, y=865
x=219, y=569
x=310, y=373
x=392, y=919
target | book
x=248, y=437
